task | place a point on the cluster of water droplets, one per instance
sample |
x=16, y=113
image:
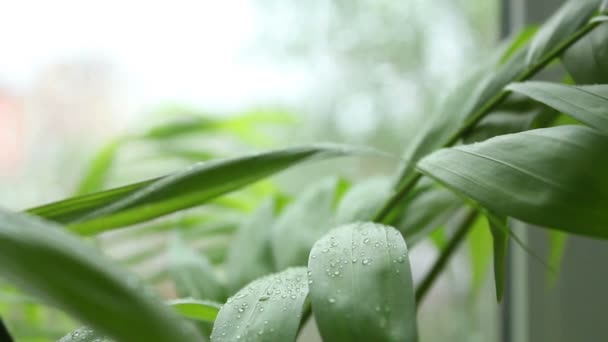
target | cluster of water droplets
x=262, y=307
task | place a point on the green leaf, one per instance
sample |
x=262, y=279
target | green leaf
x=500, y=243
x=363, y=200
x=268, y=309
x=479, y=241
x=52, y=265
x=519, y=42
x=83, y=334
x=426, y=212
x=250, y=253
x=557, y=249
x=571, y=16
x=361, y=285
x=553, y=177
x=99, y=169
x=200, y=310
x=192, y=273
x=308, y=218
x=518, y=113
x=587, y=60
x=139, y=202
x=587, y=104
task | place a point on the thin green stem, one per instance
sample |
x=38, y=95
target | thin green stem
x=484, y=110
x=461, y=232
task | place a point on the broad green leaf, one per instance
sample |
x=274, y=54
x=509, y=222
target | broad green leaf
x=362, y=201
x=500, y=243
x=587, y=104
x=426, y=212
x=573, y=15
x=250, y=253
x=587, y=60
x=139, y=202
x=99, y=169
x=52, y=265
x=200, y=310
x=268, y=309
x=83, y=334
x=361, y=285
x=308, y=218
x=479, y=241
x=557, y=248
x=192, y=273
x=553, y=177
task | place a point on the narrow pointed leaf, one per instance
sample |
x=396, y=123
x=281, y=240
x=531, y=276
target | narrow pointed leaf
x=500, y=243
x=99, y=170
x=196, y=185
x=557, y=249
x=553, y=177
x=200, y=310
x=479, y=241
x=268, y=309
x=52, y=265
x=573, y=15
x=307, y=219
x=250, y=254
x=361, y=285
x=587, y=104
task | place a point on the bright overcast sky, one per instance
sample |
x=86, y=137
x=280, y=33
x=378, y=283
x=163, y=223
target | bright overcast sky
x=192, y=51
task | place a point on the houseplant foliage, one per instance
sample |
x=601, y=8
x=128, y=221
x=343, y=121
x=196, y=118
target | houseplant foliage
x=497, y=149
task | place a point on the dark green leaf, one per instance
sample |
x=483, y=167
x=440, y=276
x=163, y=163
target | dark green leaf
x=361, y=285
x=308, y=218
x=553, y=177
x=250, y=253
x=500, y=243
x=573, y=15
x=199, y=310
x=5, y=336
x=196, y=185
x=268, y=309
x=48, y=263
x=587, y=104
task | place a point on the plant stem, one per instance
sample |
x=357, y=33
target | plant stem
x=462, y=230
x=484, y=110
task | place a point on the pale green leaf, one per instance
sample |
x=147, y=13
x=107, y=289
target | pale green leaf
x=308, y=218
x=479, y=241
x=587, y=104
x=500, y=243
x=83, y=334
x=48, y=263
x=557, y=248
x=139, y=202
x=268, y=309
x=250, y=253
x=363, y=200
x=553, y=177
x=199, y=310
x=361, y=285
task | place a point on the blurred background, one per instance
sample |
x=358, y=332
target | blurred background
x=78, y=78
